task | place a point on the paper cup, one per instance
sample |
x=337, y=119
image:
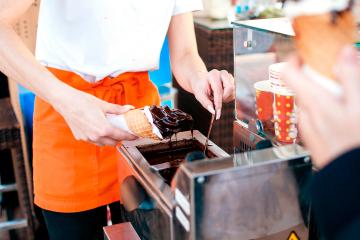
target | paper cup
x=275, y=74
x=264, y=102
x=285, y=116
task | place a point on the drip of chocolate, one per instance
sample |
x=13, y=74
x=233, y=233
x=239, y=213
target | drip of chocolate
x=170, y=122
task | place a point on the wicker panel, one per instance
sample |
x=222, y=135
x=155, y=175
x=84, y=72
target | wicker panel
x=216, y=47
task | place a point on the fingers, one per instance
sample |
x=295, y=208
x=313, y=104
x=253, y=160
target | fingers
x=119, y=135
x=309, y=94
x=116, y=109
x=228, y=82
x=203, y=98
x=105, y=142
x=77, y=134
x=112, y=138
x=348, y=73
x=108, y=136
x=296, y=80
x=309, y=134
x=217, y=89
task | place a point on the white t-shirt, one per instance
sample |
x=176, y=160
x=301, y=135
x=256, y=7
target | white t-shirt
x=99, y=38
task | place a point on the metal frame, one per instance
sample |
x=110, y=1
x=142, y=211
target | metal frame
x=151, y=179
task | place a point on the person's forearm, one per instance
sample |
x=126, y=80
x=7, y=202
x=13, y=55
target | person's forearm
x=212, y=88
x=19, y=64
x=187, y=68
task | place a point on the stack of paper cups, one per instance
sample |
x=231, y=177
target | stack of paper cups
x=275, y=105
x=275, y=72
x=285, y=117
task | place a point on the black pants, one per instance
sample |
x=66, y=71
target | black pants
x=87, y=225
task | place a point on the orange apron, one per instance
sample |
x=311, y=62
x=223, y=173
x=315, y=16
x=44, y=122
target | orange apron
x=71, y=175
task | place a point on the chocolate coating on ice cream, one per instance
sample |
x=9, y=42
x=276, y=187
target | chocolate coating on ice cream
x=170, y=121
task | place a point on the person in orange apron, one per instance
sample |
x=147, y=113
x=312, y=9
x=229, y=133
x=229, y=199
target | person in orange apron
x=92, y=58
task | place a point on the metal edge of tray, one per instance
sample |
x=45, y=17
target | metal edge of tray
x=159, y=190
x=140, y=175
x=241, y=161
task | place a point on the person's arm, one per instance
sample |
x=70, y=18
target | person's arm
x=190, y=71
x=86, y=118
x=17, y=61
x=329, y=126
x=335, y=194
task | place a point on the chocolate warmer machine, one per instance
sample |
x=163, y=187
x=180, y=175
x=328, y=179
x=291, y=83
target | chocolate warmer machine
x=257, y=193
x=252, y=195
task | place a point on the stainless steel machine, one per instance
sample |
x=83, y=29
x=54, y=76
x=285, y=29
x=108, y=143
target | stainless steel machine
x=257, y=193
x=149, y=194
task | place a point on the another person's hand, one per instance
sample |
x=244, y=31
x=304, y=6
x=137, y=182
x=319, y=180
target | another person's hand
x=329, y=124
x=213, y=88
x=85, y=115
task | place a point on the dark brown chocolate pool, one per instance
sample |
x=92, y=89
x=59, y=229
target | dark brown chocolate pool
x=173, y=153
x=171, y=121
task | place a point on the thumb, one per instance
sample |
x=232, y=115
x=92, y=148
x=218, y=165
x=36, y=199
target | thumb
x=116, y=109
x=205, y=102
x=347, y=71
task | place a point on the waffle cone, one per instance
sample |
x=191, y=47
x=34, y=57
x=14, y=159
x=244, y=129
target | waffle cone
x=139, y=124
x=319, y=39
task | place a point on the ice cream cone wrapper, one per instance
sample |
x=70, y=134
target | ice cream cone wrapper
x=319, y=40
x=136, y=122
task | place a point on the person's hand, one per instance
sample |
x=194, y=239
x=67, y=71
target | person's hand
x=213, y=88
x=329, y=124
x=85, y=115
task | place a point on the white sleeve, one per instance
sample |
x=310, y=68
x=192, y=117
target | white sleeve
x=183, y=6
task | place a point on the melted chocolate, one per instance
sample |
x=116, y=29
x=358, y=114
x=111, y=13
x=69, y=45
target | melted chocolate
x=170, y=122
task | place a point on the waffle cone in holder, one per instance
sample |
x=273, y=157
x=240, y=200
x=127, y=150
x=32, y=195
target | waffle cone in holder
x=138, y=123
x=320, y=38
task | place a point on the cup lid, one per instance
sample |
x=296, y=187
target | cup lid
x=277, y=68
x=263, y=86
x=275, y=72
x=282, y=91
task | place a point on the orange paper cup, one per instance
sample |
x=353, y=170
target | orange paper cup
x=285, y=116
x=264, y=101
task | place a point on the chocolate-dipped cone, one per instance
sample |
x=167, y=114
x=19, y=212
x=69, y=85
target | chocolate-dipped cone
x=320, y=38
x=139, y=124
x=171, y=121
